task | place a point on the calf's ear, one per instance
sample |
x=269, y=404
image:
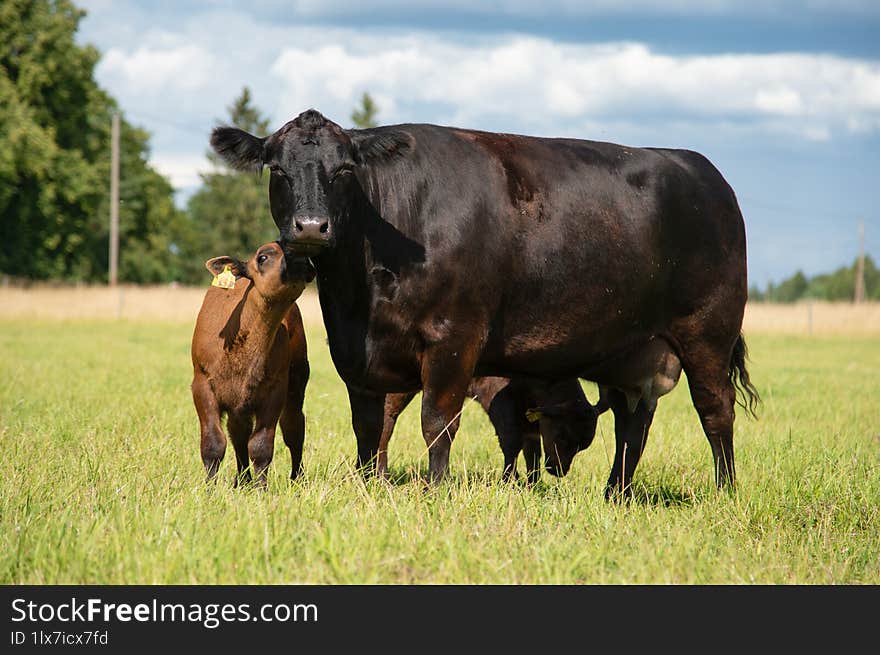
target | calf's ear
x=242, y=151
x=237, y=267
x=375, y=148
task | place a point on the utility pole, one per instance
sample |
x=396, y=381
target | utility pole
x=860, y=267
x=114, y=200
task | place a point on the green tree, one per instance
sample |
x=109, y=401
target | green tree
x=755, y=294
x=838, y=285
x=841, y=284
x=789, y=290
x=364, y=116
x=230, y=212
x=55, y=159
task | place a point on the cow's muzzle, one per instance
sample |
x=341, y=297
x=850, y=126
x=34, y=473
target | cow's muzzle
x=307, y=236
x=310, y=229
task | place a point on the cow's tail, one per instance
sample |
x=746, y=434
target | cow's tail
x=748, y=397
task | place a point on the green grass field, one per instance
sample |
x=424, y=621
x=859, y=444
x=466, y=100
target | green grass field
x=102, y=481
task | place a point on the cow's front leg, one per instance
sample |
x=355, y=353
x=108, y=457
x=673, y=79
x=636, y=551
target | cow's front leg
x=367, y=419
x=446, y=375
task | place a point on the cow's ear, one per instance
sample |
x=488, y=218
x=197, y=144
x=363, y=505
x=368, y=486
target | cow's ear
x=242, y=151
x=237, y=267
x=371, y=148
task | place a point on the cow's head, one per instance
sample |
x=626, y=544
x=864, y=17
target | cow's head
x=312, y=162
x=567, y=425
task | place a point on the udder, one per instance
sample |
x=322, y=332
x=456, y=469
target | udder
x=645, y=373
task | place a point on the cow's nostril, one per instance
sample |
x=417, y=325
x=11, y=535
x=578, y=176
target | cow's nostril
x=299, y=226
x=324, y=227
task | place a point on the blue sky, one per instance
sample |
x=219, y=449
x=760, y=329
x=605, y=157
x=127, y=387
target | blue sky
x=783, y=96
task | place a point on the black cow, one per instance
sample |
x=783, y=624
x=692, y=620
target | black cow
x=444, y=254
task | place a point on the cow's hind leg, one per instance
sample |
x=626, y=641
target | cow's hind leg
x=293, y=421
x=631, y=434
x=713, y=395
x=293, y=429
x=447, y=369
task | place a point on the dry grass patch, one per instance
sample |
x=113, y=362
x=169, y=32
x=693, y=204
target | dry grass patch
x=813, y=317
x=180, y=304
x=126, y=302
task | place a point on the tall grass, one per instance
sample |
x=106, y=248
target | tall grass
x=101, y=481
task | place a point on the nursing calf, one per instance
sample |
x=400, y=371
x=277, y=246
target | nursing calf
x=249, y=361
x=630, y=384
x=567, y=418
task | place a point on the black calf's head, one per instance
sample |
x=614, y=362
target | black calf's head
x=312, y=161
x=278, y=278
x=567, y=423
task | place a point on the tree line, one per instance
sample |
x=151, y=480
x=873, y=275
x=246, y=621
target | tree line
x=55, y=169
x=838, y=285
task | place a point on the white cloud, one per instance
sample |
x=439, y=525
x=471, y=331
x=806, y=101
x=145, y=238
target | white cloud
x=325, y=8
x=782, y=100
x=542, y=85
x=178, y=67
x=178, y=81
x=182, y=169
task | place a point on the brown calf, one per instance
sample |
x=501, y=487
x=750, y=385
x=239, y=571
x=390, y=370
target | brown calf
x=249, y=361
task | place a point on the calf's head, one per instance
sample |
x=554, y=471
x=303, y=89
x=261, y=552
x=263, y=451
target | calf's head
x=277, y=277
x=567, y=426
x=313, y=162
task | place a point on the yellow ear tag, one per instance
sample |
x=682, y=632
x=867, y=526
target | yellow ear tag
x=225, y=280
x=534, y=415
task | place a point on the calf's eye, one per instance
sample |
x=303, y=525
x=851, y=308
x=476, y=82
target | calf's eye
x=262, y=259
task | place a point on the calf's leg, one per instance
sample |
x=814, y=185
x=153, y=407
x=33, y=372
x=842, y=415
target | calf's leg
x=395, y=403
x=502, y=407
x=261, y=444
x=240, y=428
x=531, y=447
x=212, y=439
x=261, y=447
x=631, y=434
